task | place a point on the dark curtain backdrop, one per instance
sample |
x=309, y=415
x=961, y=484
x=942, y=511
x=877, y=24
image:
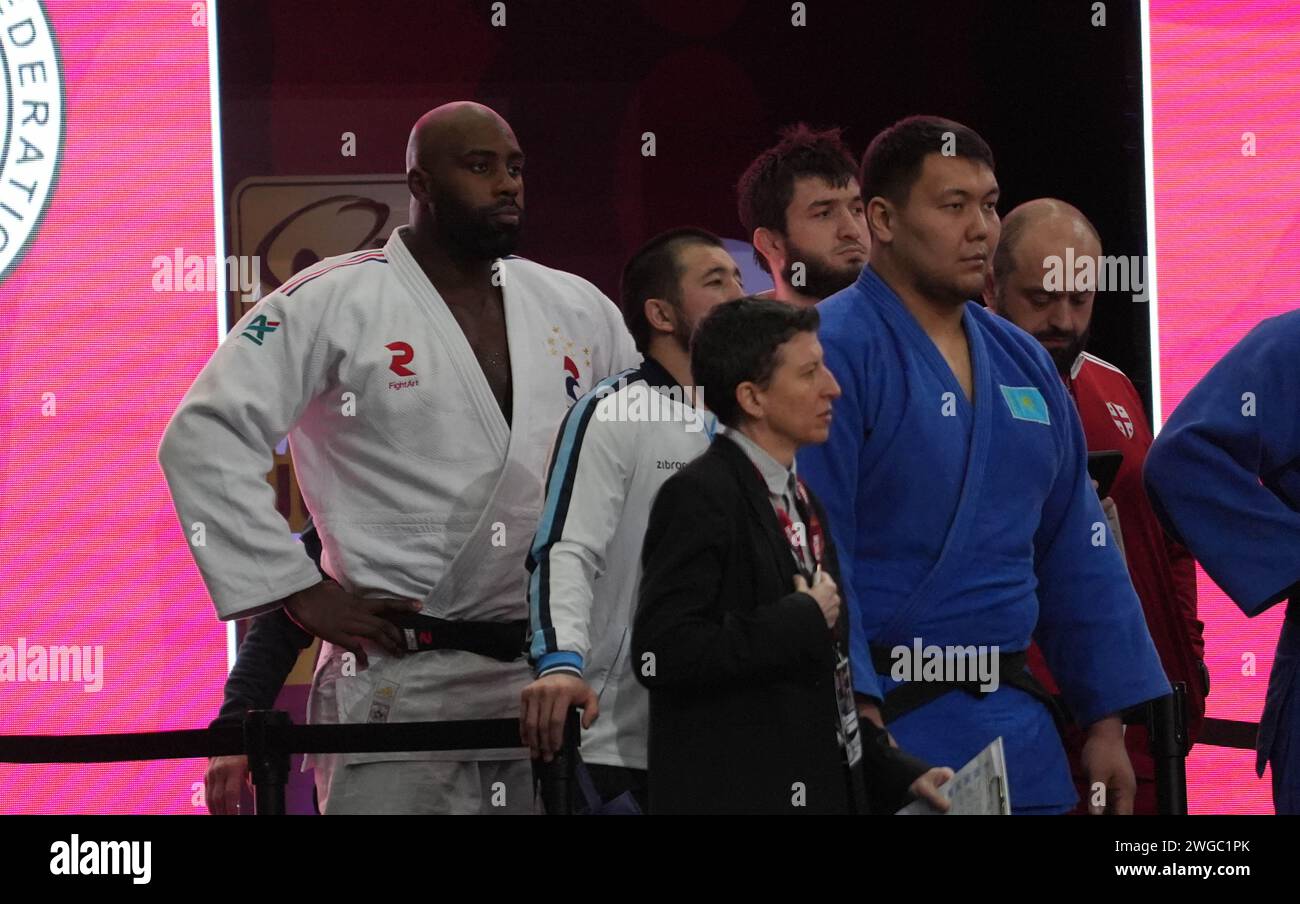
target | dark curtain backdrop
x=1058, y=99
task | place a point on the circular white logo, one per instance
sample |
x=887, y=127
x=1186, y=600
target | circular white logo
x=31, y=124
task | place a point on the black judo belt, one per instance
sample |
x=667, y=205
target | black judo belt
x=503, y=641
x=913, y=695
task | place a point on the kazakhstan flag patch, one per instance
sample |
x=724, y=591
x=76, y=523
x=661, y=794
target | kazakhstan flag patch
x=1026, y=403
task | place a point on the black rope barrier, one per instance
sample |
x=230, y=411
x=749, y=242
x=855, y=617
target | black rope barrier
x=201, y=743
x=1229, y=733
x=268, y=738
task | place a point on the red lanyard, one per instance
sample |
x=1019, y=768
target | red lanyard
x=812, y=525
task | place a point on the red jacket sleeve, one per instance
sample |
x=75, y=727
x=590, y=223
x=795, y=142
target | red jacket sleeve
x=1184, y=567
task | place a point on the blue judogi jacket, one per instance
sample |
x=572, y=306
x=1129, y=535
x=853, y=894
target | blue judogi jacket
x=973, y=522
x=1224, y=475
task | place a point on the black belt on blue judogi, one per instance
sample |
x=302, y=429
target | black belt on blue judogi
x=912, y=695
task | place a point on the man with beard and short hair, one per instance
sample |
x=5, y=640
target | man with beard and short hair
x=616, y=447
x=419, y=387
x=800, y=203
x=1113, y=418
x=1060, y=321
x=957, y=485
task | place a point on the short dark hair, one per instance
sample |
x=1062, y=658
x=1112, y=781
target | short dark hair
x=655, y=271
x=893, y=160
x=738, y=342
x=766, y=188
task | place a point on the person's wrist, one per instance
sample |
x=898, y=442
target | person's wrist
x=1107, y=728
x=295, y=599
x=292, y=604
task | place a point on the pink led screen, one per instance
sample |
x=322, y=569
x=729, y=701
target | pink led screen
x=106, y=166
x=1225, y=99
x=106, y=157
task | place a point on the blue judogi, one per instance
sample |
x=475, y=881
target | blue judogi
x=1224, y=474
x=967, y=523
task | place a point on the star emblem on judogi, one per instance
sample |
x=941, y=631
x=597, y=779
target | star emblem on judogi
x=570, y=347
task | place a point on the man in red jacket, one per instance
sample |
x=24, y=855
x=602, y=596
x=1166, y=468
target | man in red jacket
x=1028, y=285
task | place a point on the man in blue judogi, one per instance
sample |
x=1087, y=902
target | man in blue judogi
x=1224, y=474
x=956, y=482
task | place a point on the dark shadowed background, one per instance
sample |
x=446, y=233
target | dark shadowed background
x=1058, y=98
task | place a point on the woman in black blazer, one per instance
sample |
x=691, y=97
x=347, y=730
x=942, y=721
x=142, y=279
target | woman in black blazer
x=741, y=666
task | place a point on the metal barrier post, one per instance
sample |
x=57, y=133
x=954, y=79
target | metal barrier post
x=1167, y=740
x=268, y=760
x=559, y=777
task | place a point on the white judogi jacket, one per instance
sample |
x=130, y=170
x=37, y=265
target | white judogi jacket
x=417, y=484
